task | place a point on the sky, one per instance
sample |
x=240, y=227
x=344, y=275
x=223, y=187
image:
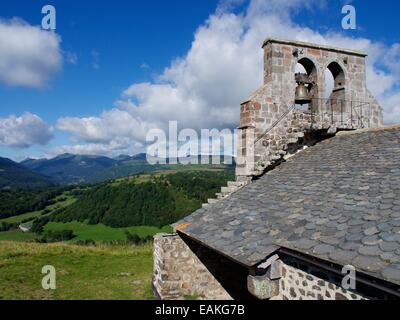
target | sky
x=113, y=70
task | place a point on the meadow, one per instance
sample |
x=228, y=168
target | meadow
x=82, y=272
x=16, y=235
x=100, y=232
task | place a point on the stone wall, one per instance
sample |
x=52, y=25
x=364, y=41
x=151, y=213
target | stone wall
x=297, y=284
x=183, y=267
x=270, y=106
x=178, y=271
x=291, y=279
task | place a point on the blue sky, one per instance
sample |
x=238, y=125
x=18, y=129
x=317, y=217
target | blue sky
x=124, y=63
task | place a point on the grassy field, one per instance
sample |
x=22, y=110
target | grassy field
x=16, y=235
x=100, y=232
x=19, y=218
x=101, y=272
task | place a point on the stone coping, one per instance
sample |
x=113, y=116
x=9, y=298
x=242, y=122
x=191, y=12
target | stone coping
x=377, y=129
x=314, y=45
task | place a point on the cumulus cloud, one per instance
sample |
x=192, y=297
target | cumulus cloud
x=29, y=56
x=112, y=148
x=114, y=124
x=392, y=108
x=24, y=131
x=204, y=88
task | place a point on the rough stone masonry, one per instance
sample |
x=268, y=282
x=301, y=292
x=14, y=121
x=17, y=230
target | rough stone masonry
x=179, y=272
x=269, y=121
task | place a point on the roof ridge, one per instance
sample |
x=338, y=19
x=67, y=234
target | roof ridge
x=376, y=129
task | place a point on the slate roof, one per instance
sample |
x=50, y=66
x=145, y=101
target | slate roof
x=338, y=201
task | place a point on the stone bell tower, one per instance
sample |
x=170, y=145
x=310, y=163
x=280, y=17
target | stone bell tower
x=272, y=125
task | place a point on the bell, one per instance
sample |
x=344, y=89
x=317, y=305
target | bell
x=301, y=95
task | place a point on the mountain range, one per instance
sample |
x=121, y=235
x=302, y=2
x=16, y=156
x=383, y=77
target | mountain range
x=68, y=169
x=15, y=175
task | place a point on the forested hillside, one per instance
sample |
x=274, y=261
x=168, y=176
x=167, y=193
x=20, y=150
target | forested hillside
x=157, y=202
x=14, y=202
x=126, y=209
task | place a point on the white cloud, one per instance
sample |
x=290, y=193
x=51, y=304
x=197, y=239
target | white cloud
x=24, y=131
x=29, y=56
x=204, y=88
x=113, y=148
x=392, y=106
x=111, y=125
x=71, y=57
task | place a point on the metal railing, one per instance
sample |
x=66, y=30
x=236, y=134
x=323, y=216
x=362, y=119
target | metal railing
x=339, y=111
x=357, y=112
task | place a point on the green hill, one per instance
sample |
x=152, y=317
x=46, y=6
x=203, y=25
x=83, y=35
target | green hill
x=15, y=175
x=18, y=202
x=157, y=201
x=139, y=205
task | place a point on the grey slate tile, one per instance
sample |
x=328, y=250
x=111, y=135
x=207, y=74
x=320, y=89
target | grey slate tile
x=339, y=201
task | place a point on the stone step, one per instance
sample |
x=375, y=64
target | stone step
x=235, y=183
x=205, y=205
x=224, y=194
x=228, y=189
x=211, y=201
x=220, y=195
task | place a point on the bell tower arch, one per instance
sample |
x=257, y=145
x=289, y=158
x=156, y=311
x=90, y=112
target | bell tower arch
x=312, y=78
x=339, y=81
x=270, y=123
